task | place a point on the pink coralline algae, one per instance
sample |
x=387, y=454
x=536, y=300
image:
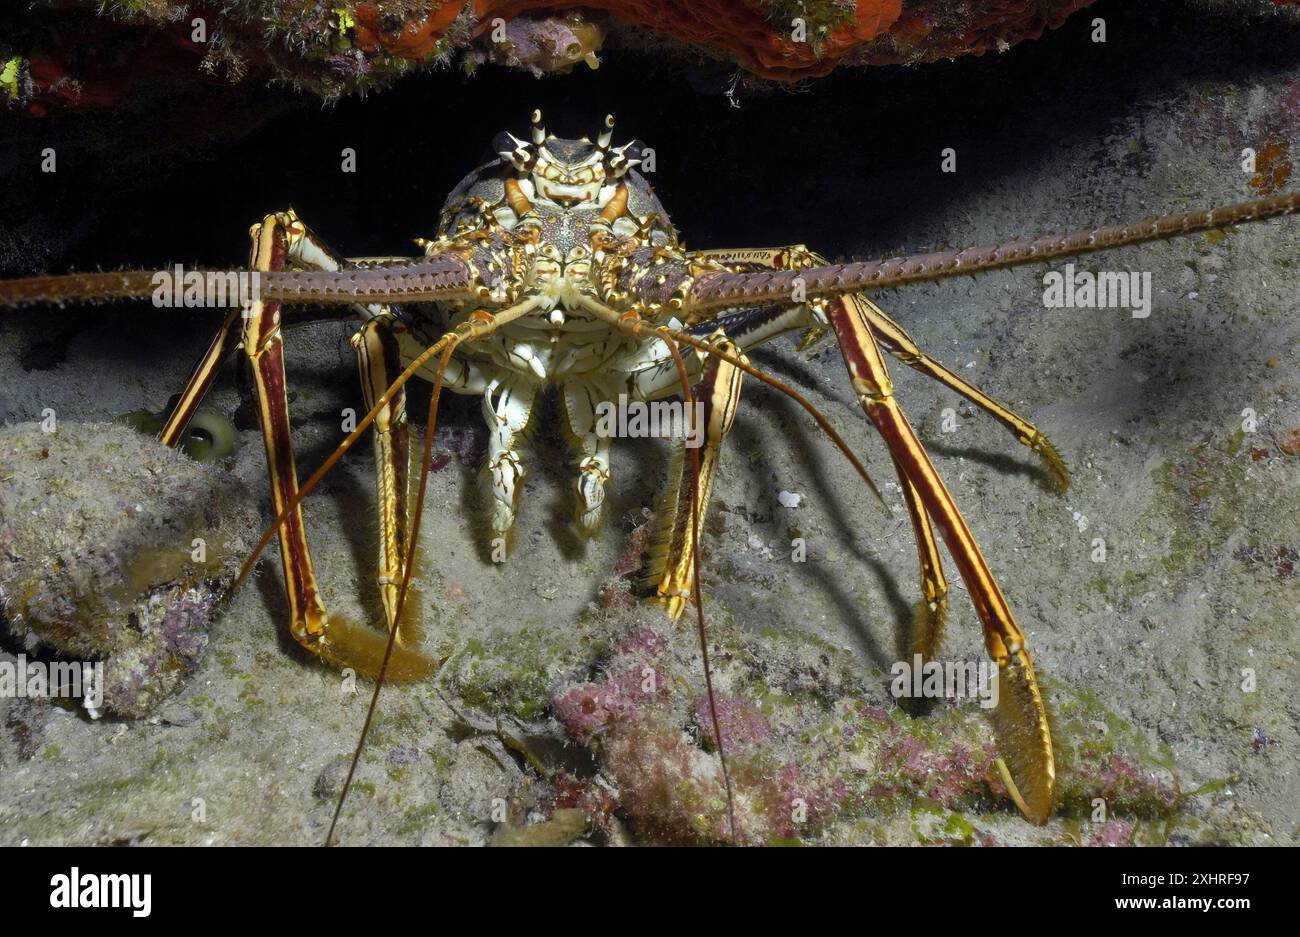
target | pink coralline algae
x=812, y=750
x=741, y=723
x=631, y=685
x=947, y=777
x=617, y=592
x=1114, y=833
x=568, y=792
x=794, y=764
x=1126, y=785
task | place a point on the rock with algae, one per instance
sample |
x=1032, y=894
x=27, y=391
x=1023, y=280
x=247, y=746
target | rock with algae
x=117, y=549
x=333, y=48
x=819, y=753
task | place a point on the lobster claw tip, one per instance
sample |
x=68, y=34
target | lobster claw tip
x=1021, y=722
x=349, y=645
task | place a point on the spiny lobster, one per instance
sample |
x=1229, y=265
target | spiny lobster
x=555, y=266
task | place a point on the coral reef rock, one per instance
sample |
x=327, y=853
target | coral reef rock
x=819, y=752
x=87, y=54
x=115, y=549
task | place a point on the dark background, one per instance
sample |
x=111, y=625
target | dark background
x=835, y=164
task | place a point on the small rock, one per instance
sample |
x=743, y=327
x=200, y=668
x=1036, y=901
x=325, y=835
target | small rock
x=789, y=499
x=480, y=782
x=1289, y=440
x=330, y=781
x=1260, y=740
x=177, y=715
x=562, y=829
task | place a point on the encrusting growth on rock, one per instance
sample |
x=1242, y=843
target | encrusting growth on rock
x=115, y=548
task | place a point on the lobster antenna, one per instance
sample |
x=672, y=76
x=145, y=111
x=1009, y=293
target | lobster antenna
x=722, y=289
x=448, y=277
x=121, y=284
x=425, y=465
x=695, y=579
x=436, y=277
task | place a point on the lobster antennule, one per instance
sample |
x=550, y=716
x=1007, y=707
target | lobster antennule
x=716, y=290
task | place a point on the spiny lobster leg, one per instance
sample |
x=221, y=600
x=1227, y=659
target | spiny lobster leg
x=339, y=641
x=384, y=347
x=901, y=345
x=752, y=327
x=304, y=250
x=1021, y=716
x=205, y=372
x=379, y=360
x=894, y=337
x=926, y=633
x=264, y=346
x=581, y=397
x=675, y=552
x=507, y=408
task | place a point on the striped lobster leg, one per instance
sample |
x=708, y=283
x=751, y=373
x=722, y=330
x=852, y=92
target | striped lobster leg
x=898, y=342
x=205, y=373
x=675, y=550
x=278, y=241
x=379, y=361
x=1021, y=717
x=263, y=343
x=303, y=250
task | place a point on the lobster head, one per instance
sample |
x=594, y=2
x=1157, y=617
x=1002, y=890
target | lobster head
x=567, y=172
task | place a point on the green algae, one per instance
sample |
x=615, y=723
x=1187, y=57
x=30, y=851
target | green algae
x=511, y=672
x=417, y=819
x=820, y=17
x=1204, y=496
